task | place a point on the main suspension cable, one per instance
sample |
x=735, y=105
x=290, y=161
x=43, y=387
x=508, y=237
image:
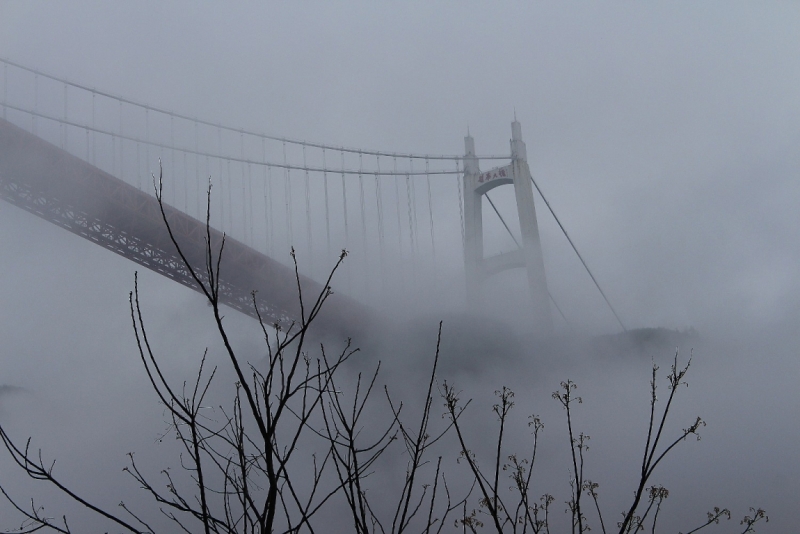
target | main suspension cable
x=156, y=144
x=279, y=139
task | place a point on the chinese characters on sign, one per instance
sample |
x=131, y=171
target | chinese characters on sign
x=494, y=174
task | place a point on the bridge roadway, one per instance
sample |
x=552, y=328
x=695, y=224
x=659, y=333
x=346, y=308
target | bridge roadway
x=61, y=188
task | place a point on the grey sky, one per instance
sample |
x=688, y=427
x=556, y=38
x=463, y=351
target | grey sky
x=665, y=135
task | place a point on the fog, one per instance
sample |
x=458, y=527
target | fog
x=664, y=135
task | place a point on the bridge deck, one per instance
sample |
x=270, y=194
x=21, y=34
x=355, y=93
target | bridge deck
x=65, y=190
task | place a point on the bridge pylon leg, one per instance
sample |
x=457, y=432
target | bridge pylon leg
x=473, y=226
x=529, y=255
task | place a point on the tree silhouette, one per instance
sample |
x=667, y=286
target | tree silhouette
x=291, y=443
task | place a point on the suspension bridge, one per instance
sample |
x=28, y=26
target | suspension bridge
x=84, y=159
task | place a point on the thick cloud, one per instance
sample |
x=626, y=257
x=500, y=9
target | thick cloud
x=664, y=136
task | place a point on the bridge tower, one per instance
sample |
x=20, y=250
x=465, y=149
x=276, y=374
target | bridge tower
x=529, y=253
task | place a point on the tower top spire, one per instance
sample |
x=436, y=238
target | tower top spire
x=518, y=149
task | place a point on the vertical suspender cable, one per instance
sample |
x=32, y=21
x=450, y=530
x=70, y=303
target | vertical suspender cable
x=94, y=125
x=379, y=202
x=396, y=178
x=266, y=210
x=206, y=206
x=271, y=222
x=90, y=137
x=346, y=230
x=222, y=190
x=221, y=181
x=364, y=252
x=138, y=166
x=173, y=178
x=229, y=178
x=412, y=247
x=414, y=208
x=361, y=203
x=186, y=183
x=250, y=215
x=267, y=172
x=121, y=144
x=64, y=124
x=430, y=209
x=460, y=184
x=113, y=155
x=172, y=158
x=287, y=188
x=162, y=158
x=379, y=196
x=327, y=206
x=344, y=206
x=307, y=192
x=197, y=172
x=147, y=140
x=243, y=211
x=36, y=104
x=397, y=201
x=410, y=217
x=5, y=90
x=247, y=189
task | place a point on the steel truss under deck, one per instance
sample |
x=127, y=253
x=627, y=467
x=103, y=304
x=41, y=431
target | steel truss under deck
x=65, y=190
